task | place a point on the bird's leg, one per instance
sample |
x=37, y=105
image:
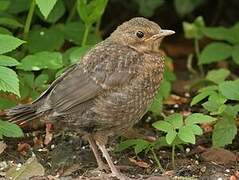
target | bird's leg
x=113, y=169
x=93, y=146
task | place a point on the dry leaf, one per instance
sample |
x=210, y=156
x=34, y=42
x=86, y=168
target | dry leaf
x=3, y=146
x=175, y=99
x=29, y=169
x=23, y=148
x=139, y=163
x=49, y=134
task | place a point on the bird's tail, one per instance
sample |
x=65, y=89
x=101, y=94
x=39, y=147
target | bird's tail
x=22, y=114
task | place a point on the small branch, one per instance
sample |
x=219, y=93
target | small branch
x=72, y=12
x=29, y=20
x=197, y=51
x=189, y=65
x=86, y=33
x=173, y=156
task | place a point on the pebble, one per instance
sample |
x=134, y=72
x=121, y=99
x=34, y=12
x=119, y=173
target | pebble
x=187, y=94
x=188, y=150
x=175, y=105
x=227, y=170
x=219, y=178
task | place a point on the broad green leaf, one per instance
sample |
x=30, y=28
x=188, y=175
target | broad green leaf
x=193, y=30
x=201, y=96
x=4, y=4
x=41, y=80
x=196, y=129
x=126, y=144
x=16, y=7
x=157, y=106
x=218, y=76
x=77, y=53
x=215, y=104
x=8, y=61
x=9, y=43
x=5, y=31
x=168, y=74
x=175, y=119
x=224, y=132
x=41, y=60
x=47, y=39
x=56, y=13
x=92, y=11
x=147, y=8
x=209, y=88
x=45, y=6
x=198, y=118
x=214, y=52
x=235, y=54
x=141, y=145
x=163, y=126
x=10, y=130
x=9, y=81
x=6, y=103
x=186, y=134
x=170, y=137
x=230, y=89
x=10, y=22
x=184, y=7
x=165, y=88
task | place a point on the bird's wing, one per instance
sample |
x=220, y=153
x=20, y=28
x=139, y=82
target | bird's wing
x=100, y=71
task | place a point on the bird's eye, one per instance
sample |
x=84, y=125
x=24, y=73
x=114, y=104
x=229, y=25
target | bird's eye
x=140, y=34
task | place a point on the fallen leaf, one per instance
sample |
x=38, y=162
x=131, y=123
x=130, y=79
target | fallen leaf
x=3, y=146
x=29, y=169
x=175, y=99
x=233, y=177
x=139, y=163
x=49, y=134
x=207, y=127
x=23, y=148
x=219, y=156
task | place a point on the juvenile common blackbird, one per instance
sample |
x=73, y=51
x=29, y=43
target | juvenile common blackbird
x=108, y=91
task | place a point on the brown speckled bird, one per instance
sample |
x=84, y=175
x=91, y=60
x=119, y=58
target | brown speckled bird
x=108, y=91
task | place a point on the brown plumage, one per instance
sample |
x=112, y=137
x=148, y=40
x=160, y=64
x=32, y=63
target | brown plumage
x=108, y=91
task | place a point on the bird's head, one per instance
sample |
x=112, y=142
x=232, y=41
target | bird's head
x=141, y=34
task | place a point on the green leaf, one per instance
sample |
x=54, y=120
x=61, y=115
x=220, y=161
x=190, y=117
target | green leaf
x=193, y=30
x=175, y=119
x=4, y=4
x=157, y=106
x=141, y=145
x=168, y=74
x=47, y=39
x=16, y=7
x=235, y=54
x=170, y=137
x=126, y=144
x=218, y=76
x=77, y=53
x=6, y=103
x=41, y=60
x=56, y=13
x=41, y=80
x=10, y=22
x=230, y=89
x=5, y=31
x=224, y=132
x=209, y=88
x=10, y=130
x=184, y=7
x=12, y=43
x=163, y=126
x=198, y=118
x=92, y=11
x=9, y=81
x=215, y=104
x=186, y=134
x=8, y=61
x=147, y=8
x=201, y=96
x=196, y=129
x=215, y=52
x=45, y=6
x=165, y=88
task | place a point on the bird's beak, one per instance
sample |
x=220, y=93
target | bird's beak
x=162, y=33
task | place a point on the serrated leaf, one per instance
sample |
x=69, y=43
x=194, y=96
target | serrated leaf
x=8, y=61
x=47, y=39
x=215, y=104
x=45, y=6
x=10, y=130
x=175, y=119
x=201, y=96
x=9, y=81
x=12, y=43
x=186, y=134
x=170, y=137
x=230, y=89
x=209, y=88
x=235, y=54
x=215, y=52
x=218, y=76
x=41, y=60
x=224, y=132
x=196, y=129
x=163, y=126
x=198, y=118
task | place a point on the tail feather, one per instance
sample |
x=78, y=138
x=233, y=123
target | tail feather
x=22, y=114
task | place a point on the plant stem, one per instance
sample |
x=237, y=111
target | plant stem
x=173, y=155
x=29, y=19
x=72, y=12
x=197, y=51
x=97, y=28
x=86, y=33
x=189, y=65
x=157, y=161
